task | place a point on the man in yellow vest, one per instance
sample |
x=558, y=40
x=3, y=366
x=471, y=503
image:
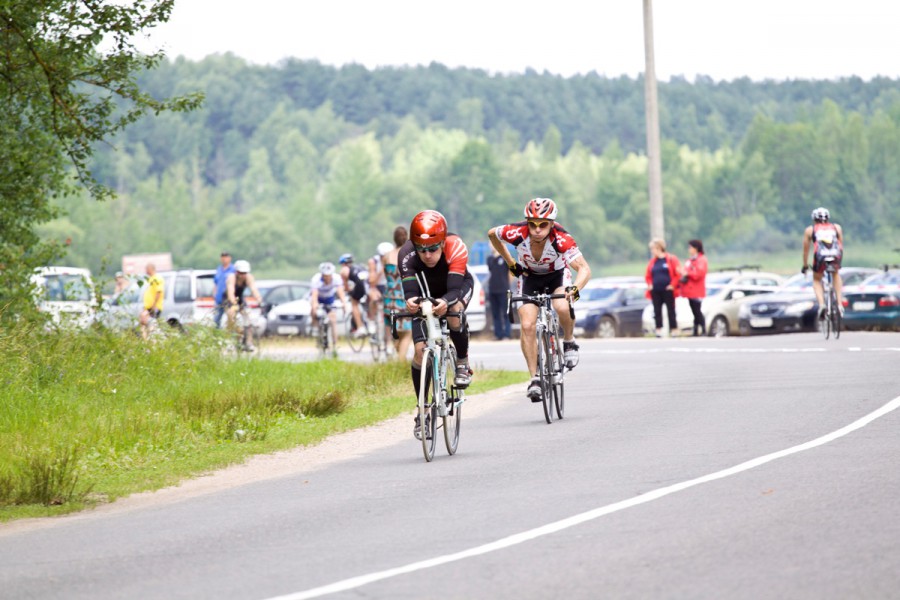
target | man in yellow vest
x=153, y=299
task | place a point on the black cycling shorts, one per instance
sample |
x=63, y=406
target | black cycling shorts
x=541, y=284
x=465, y=295
x=358, y=292
x=154, y=312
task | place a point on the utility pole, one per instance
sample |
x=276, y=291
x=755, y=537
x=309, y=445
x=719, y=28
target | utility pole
x=654, y=169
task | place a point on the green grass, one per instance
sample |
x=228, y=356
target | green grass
x=91, y=417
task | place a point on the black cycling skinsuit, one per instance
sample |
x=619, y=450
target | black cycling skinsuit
x=358, y=289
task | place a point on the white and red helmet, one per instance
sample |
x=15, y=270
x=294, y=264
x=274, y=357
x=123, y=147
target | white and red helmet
x=541, y=208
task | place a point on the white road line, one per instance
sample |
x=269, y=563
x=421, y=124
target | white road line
x=355, y=582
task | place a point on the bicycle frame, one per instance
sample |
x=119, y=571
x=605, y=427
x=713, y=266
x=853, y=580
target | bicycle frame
x=550, y=359
x=832, y=321
x=438, y=368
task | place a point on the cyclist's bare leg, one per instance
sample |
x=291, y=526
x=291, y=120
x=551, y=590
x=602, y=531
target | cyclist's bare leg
x=818, y=289
x=231, y=312
x=332, y=316
x=528, y=314
x=561, y=306
x=838, y=288
x=357, y=316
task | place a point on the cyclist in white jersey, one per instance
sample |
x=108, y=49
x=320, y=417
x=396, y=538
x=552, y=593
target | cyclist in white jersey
x=544, y=254
x=325, y=288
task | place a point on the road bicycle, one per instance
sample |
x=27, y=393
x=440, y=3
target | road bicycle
x=551, y=361
x=439, y=398
x=243, y=334
x=373, y=335
x=324, y=334
x=833, y=318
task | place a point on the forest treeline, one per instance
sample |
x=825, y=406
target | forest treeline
x=292, y=164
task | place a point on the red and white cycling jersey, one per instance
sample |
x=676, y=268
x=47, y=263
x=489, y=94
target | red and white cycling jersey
x=559, y=251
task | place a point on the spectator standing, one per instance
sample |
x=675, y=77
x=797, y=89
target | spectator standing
x=153, y=299
x=693, y=283
x=498, y=288
x=393, y=294
x=122, y=283
x=662, y=284
x=220, y=278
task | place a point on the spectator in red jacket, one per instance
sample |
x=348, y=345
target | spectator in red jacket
x=693, y=283
x=662, y=284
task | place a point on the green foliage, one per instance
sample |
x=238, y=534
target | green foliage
x=301, y=162
x=68, y=82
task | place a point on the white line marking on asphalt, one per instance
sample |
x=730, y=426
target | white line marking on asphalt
x=355, y=582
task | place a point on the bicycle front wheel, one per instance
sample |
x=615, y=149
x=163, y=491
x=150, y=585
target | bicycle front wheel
x=356, y=341
x=545, y=361
x=452, y=399
x=428, y=406
x=559, y=369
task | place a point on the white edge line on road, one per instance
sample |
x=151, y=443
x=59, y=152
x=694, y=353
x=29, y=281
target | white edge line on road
x=355, y=582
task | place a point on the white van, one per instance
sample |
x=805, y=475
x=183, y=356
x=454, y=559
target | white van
x=66, y=294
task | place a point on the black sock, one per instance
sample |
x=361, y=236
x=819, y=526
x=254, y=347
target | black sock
x=461, y=343
x=416, y=376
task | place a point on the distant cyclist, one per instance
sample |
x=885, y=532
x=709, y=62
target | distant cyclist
x=546, y=253
x=827, y=241
x=441, y=258
x=378, y=286
x=325, y=289
x=236, y=285
x=355, y=286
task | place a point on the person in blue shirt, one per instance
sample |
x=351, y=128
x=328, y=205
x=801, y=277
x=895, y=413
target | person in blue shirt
x=222, y=272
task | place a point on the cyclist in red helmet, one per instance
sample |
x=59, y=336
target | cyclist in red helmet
x=546, y=253
x=440, y=258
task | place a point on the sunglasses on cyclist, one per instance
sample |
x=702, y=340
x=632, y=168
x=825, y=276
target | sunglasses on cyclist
x=428, y=249
x=538, y=224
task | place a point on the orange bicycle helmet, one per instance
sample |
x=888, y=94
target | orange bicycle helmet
x=427, y=228
x=541, y=208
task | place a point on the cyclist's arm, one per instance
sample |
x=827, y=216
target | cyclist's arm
x=807, y=239
x=840, y=233
x=500, y=247
x=229, y=289
x=251, y=283
x=584, y=271
x=314, y=301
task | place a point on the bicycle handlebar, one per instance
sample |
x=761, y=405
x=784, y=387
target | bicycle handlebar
x=395, y=316
x=539, y=298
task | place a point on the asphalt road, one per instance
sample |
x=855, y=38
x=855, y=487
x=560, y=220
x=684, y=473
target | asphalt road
x=685, y=468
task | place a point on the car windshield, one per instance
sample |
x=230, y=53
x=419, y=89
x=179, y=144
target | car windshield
x=712, y=290
x=66, y=288
x=889, y=278
x=597, y=293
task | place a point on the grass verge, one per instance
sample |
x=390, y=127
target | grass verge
x=93, y=416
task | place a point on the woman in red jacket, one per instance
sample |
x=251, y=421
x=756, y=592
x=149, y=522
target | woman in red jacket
x=662, y=284
x=693, y=283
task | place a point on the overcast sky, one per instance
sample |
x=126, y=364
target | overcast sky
x=724, y=39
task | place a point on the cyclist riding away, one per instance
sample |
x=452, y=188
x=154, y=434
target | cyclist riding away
x=440, y=258
x=235, y=287
x=827, y=241
x=355, y=286
x=545, y=255
x=324, y=289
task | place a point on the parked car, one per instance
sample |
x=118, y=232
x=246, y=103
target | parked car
x=726, y=291
x=66, y=295
x=289, y=318
x=123, y=310
x=793, y=306
x=275, y=293
x=874, y=303
x=611, y=307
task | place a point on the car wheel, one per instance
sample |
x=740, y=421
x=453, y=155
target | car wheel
x=719, y=327
x=607, y=328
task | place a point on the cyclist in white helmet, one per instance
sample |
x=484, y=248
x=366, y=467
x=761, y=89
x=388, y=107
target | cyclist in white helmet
x=325, y=289
x=235, y=288
x=827, y=242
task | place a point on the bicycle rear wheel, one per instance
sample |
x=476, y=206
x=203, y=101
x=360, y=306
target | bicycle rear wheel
x=356, y=342
x=545, y=362
x=836, y=318
x=428, y=407
x=452, y=398
x=559, y=369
